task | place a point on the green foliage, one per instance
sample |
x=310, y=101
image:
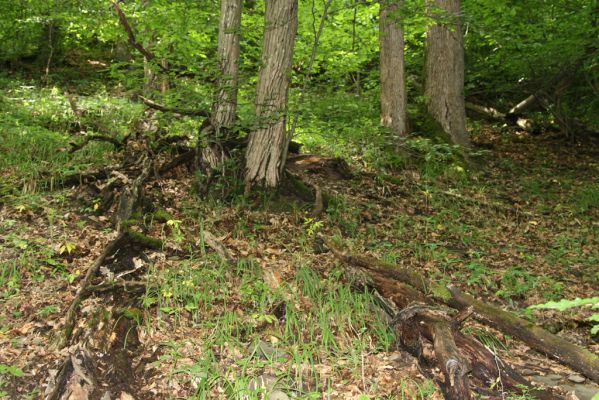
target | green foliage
x=566, y=304
x=516, y=282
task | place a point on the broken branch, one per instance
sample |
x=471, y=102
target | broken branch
x=163, y=108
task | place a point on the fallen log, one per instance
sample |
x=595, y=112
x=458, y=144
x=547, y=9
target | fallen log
x=435, y=326
x=489, y=373
x=510, y=119
x=536, y=337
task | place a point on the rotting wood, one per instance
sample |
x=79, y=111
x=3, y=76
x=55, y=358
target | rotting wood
x=436, y=327
x=489, y=373
x=536, y=337
x=71, y=315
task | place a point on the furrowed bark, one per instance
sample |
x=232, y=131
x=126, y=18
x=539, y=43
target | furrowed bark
x=267, y=147
x=444, y=67
x=393, y=88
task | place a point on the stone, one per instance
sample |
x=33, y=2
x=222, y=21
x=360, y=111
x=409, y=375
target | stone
x=576, y=378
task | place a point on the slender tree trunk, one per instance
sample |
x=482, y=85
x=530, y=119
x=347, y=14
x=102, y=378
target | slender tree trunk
x=224, y=111
x=267, y=147
x=393, y=88
x=444, y=83
x=225, y=107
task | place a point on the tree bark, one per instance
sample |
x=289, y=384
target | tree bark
x=267, y=147
x=444, y=69
x=224, y=112
x=393, y=88
x=225, y=107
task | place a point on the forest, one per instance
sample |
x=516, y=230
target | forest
x=299, y=199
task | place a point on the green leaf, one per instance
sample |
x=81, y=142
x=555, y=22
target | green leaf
x=11, y=370
x=565, y=304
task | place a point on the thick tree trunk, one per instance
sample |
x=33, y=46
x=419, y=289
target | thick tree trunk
x=267, y=147
x=444, y=83
x=393, y=88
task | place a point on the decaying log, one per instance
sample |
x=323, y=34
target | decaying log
x=495, y=115
x=436, y=327
x=489, y=373
x=71, y=315
x=75, y=379
x=536, y=337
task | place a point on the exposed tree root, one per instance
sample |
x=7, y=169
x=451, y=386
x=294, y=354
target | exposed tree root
x=129, y=199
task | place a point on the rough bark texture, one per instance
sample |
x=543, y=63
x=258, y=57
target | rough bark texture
x=393, y=88
x=267, y=147
x=444, y=86
x=210, y=149
x=225, y=106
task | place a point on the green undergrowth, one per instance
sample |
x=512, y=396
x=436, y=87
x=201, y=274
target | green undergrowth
x=296, y=329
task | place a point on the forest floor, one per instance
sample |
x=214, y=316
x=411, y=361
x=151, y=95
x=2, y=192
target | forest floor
x=284, y=318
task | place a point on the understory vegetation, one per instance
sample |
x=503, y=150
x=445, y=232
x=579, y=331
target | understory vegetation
x=216, y=291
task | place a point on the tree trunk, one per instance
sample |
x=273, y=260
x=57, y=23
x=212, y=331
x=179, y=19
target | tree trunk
x=444, y=68
x=393, y=88
x=267, y=147
x=225, y=107
x=224, y=111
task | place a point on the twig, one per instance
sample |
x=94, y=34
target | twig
x=98, y=138
x=163, y=108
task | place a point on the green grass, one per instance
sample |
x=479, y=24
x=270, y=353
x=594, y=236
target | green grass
x=324, y=321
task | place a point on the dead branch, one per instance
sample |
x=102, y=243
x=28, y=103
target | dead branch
x=518, y=108
x=131, y=36
x=98, y=138
x=495, y=115
x=536, y=337
x=71, y=314
x=163, y=108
